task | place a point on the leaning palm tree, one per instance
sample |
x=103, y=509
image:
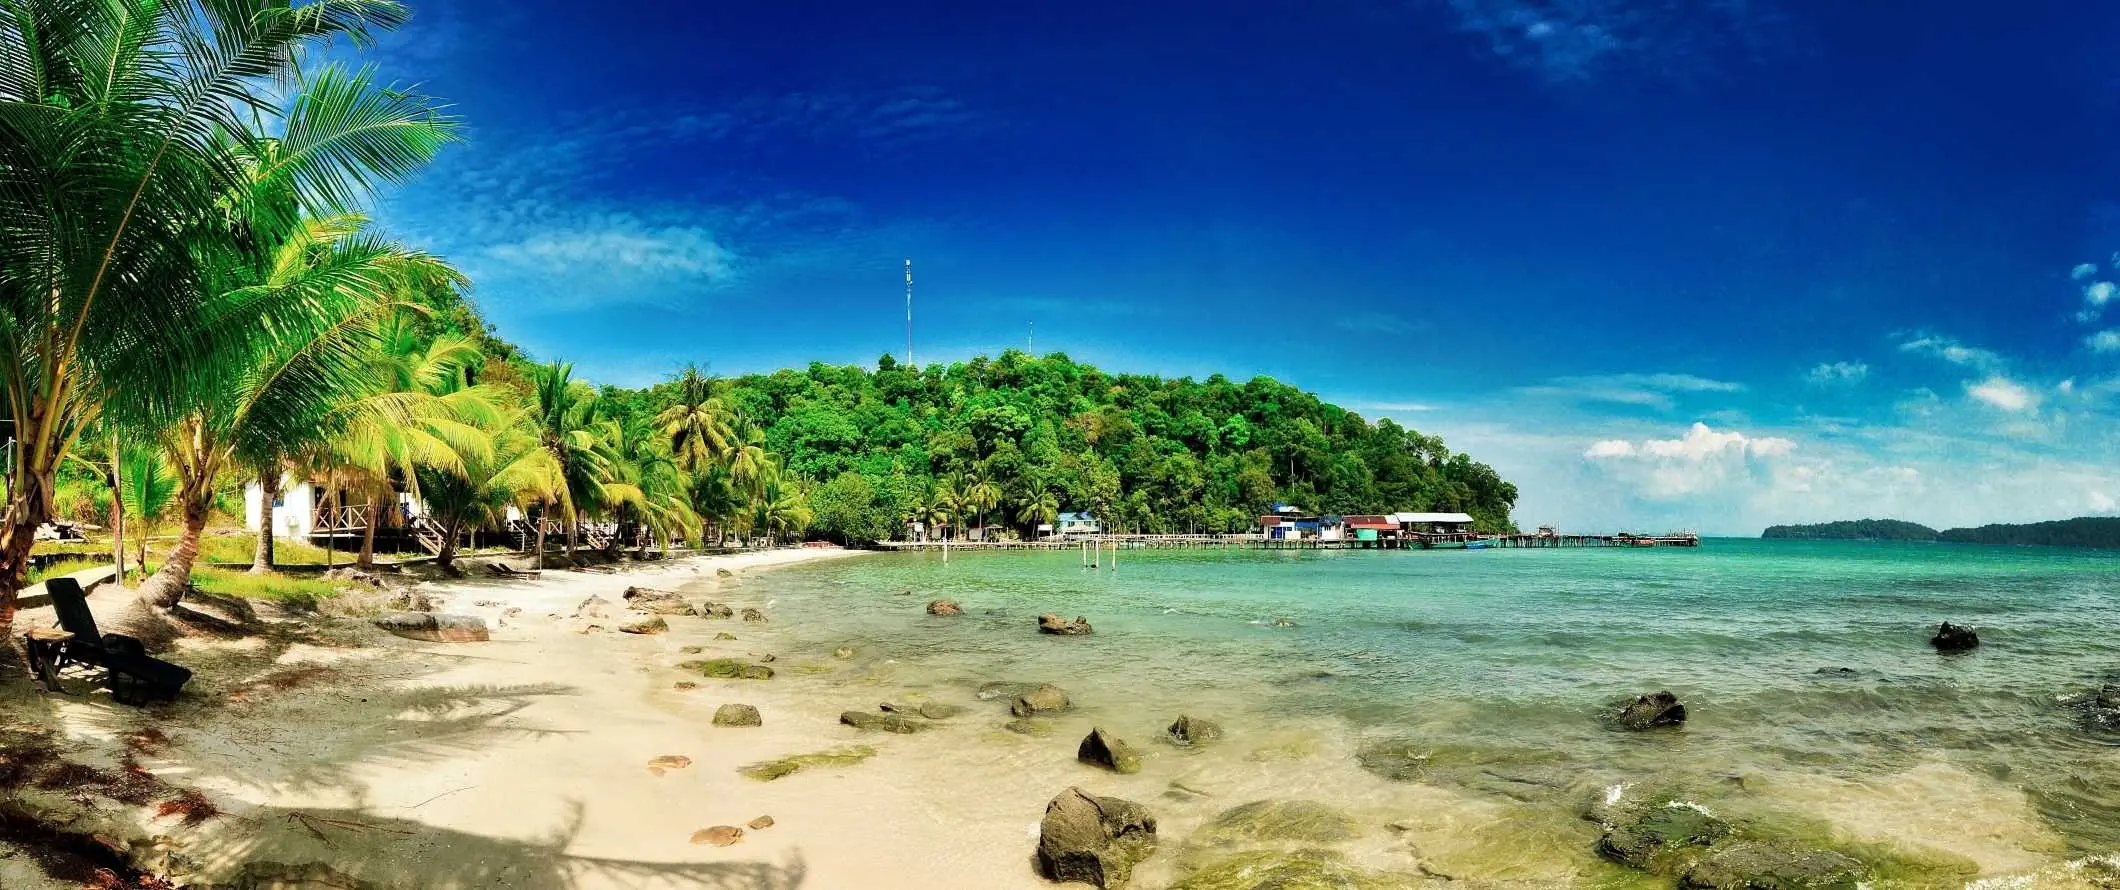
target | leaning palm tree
x=117, y=124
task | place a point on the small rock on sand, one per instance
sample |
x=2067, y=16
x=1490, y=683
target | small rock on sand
x=645, y=624
x=668, y=762
x=761, y=823
x=716, y=610
x=593, y=607
x=691, y=650
x=737, y=715
x=658, y=602
x=719, y=835
x=434, y=628
x=724, y=635
x=684, y=686
x=724, y=573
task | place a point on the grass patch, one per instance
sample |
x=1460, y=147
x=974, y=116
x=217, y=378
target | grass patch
x=243, y=548
x=66, y=566
x=285, y=588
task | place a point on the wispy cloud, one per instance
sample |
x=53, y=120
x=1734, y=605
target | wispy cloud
x=2004, y=394
x=2103, y=341
x=1837, y=373
x=1648, y=390
x=1566, y=41
x=1950, y=350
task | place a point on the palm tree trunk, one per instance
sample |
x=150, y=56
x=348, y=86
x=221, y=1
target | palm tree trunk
x=540, y=558
x=117, y=509
x=166, y=588
x=268, y=491
x=29, y=503
x=446, y=557
x=375, y=518
x=331, y=524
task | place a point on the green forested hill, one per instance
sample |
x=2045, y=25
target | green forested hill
x=2083, y=531
x=1035, y=434
x=1855, y=529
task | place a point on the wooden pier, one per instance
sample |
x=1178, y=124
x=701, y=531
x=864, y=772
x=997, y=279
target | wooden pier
x=1260, y=542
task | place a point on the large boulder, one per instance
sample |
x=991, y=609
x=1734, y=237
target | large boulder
x=1111, y=752
x=1190, y=730
x=1650, y=711
x=1050, y=623
x=1045, y=699
x=1093, y=840
x=644, y=624
x=944, y=607
x=434, y=628
x=1954, y=638
x=1759, y=866
x=737, y=715
x=897, y=723
x=658, y=602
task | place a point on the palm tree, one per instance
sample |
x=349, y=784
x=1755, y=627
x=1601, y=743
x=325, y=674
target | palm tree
x=714, y=498
x=148, y=487
x=516, y=470
x=567, y=414
x=118, y=123
x=981, y=494
x=1041, y=508
x=290, y=394
x=697, y=426
x=946, y=504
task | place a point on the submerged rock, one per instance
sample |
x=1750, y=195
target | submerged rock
x=887, y=722
x=1029, y=727
x=1648, y=830
x=930, y=710
x=645, y=624
x=1106, y=750
x=1093, y=840
x=843, y=652
x=1399, y=760
x=991, y=691
x=754, y=616
x=1190, y=730
x=1840, y=672
x=1298, y=870
x=1758, y=866
x=1954, y=638
x=768, y=770
x=737, y=715
x=1650, y=711
x=2098, y=711
x=658, y=602
x=1045, y=699
x=1050, y=623
x=434, y=628
x=1305, y=821
x=728, y=669
x=944, y=607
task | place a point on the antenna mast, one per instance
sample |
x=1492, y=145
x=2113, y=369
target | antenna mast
x=909, y=311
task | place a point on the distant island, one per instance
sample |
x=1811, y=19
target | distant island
x=2083, y=531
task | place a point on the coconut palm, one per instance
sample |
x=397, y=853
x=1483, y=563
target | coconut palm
x=981, y=495
x=148, y=488
x=515, y=471
x=697, y=426
x=1041, y=508
x=120, y=125
x=567, y=417
x=294, y=394
x=714, y=498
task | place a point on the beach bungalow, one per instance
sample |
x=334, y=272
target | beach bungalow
x=306, y=510
x=1369, y=529
x=1433, y=523
x=1077, y=524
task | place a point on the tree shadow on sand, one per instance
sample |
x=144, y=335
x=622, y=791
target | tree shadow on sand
x=381, y=853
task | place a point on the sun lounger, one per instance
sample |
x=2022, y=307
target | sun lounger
x=133, y=676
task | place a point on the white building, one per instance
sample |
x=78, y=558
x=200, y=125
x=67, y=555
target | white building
x=294, y=512
x=1434, y=523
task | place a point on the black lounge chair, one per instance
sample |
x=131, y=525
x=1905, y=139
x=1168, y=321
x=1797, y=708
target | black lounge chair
x=134, y=677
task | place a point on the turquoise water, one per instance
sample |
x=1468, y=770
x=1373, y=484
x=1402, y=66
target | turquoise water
x=1499, y=661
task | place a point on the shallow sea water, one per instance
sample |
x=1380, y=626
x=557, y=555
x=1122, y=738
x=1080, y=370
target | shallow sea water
x=1464, y=688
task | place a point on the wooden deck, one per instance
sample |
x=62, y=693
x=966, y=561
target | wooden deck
x=1258, y=542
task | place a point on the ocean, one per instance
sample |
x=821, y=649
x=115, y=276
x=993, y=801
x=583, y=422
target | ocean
x=1385, y=678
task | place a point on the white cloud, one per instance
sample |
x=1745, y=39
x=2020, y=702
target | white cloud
x=1698, y=462
x=1392, y=407
x=1831, y=373
x=2083, y=271
x=2003, y=393
x=1649, y=390
x=1569, y=41
x=2098, y=293
x=622, y=247
x=2066, y=387
x=1952, y=351
x=2103, y=341
x=2099, y=501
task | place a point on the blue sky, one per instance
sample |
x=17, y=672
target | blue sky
x=1710, y=264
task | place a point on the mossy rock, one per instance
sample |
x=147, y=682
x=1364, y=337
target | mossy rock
x=1760, y=866
x=768, y=770
x=1397, y=760
x=1305, y=821
x=728, y=669
x=1650, y=836
x=1300, y=870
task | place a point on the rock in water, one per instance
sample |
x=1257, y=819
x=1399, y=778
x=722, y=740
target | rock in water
x=944, y=607
x=1648, y=830
x=658, y=602
x=1189, y=730
x=1108, y=751
x=886, y=722
x=727, y=669
x=434, y=628
x=1954, y=638
x=719, y=835
x=754, y=616
x=843, y=652
x=737, y=715
x=1045, y=699
x=645, y=624
x=1093, y=840
x=1757, y=866
x=1050, y=623
x=1650, y=711
x=1302, y=821
x=939, y=711
x=716, y=610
